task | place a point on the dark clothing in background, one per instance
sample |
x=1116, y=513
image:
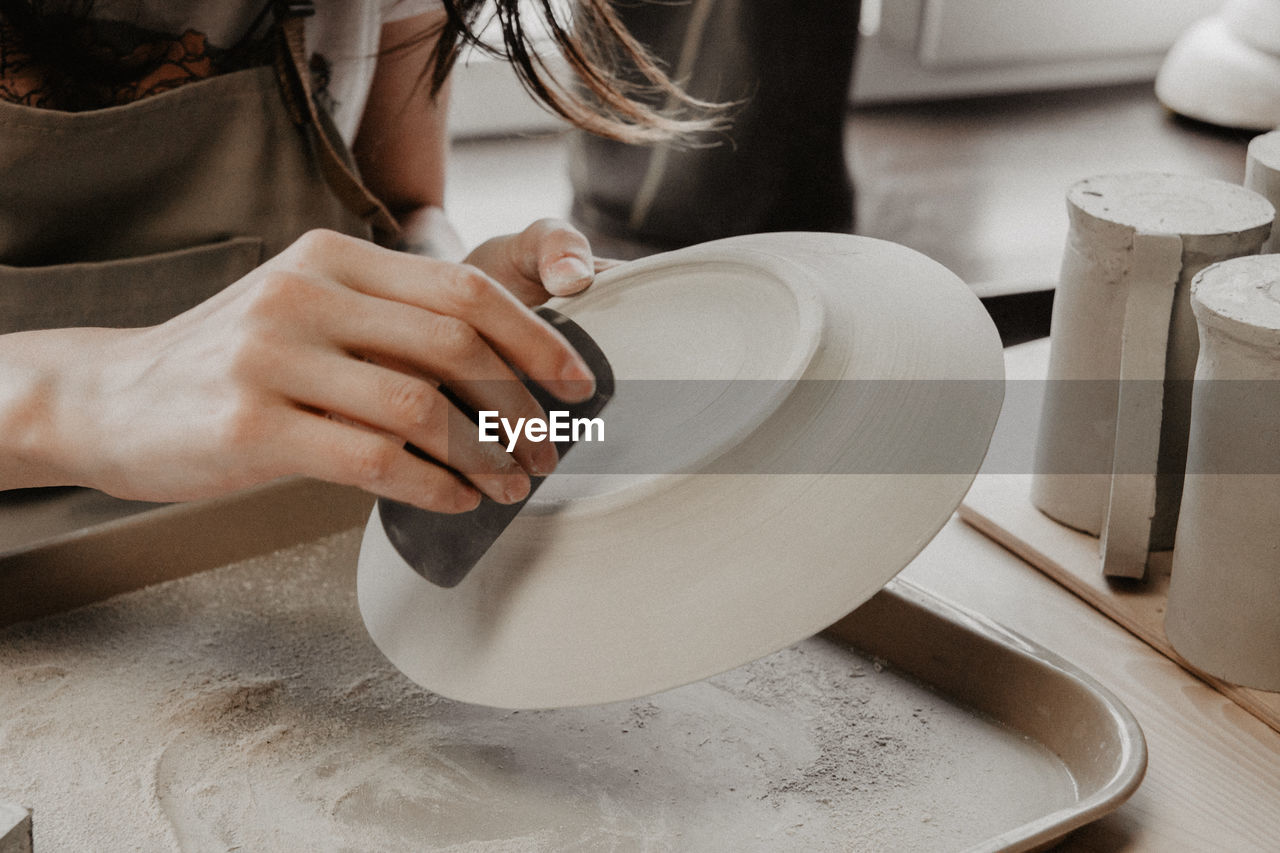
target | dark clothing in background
x=781, y=165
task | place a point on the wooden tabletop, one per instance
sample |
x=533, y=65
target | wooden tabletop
x=979, y=185
x=1213, y=777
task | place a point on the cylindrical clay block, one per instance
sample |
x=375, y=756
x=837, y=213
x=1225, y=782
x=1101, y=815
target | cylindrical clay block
x=1214, y=220
x=1224, y=599
x=1262, y=175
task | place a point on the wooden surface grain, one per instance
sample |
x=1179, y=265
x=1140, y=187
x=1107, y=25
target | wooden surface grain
x=1000, y=506
x=1213, y=777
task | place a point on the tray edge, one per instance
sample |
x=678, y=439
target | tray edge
x=1092, y=804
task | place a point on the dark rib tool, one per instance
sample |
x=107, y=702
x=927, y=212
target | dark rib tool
x=442, y=547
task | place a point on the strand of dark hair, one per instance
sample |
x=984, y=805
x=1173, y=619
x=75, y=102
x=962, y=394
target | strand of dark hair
x=614, y=87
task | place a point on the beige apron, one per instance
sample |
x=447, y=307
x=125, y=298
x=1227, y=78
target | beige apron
x=124, y=217
x=129, y=215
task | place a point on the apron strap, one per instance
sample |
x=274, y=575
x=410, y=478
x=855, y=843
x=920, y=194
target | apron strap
x=295, y=82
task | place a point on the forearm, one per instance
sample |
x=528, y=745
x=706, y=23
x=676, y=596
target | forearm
x=326, y=361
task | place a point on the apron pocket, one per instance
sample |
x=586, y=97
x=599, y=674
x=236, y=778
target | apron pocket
x=139, y=291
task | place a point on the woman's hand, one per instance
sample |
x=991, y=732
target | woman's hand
x=324, y=362
x=549, y=258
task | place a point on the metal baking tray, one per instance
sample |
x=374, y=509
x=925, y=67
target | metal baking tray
x=1015, y=684
x=908, y=725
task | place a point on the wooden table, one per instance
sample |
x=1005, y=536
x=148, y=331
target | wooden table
x=979, y=185
x=1213, y=778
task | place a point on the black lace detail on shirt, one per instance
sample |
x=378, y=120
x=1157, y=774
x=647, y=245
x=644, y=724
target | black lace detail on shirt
x=112, y=63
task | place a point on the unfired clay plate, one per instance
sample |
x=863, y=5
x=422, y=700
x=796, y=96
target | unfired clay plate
x=797, y=416
x=707, y=353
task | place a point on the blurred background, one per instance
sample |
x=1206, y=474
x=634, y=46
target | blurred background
x=961, y=122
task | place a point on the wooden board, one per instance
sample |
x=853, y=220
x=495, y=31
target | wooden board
x=999, y=505
x=63, y=548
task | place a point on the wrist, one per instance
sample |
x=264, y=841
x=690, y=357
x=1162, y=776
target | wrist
x=427, y=231
x=53, y=406
x=29, y=389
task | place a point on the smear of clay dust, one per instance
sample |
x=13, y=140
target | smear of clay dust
x=246, y=709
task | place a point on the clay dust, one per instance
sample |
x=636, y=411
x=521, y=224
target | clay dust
x=246, y=709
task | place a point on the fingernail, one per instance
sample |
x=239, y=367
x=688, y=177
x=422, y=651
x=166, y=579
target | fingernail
x=467, y=500
x=566, y=276
x=577, y=382
x=544, y=461
x=516, y=489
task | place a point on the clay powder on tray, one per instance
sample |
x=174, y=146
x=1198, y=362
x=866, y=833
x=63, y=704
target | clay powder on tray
x=246, y=708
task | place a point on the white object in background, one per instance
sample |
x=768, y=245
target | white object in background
x=1225, y=70
x=1224, y=598
x=916, y=49
x=1255, y=22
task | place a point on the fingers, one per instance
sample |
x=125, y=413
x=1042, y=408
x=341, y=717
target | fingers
x=554, y=253
x=371, y=335
x=549, y=258
x=472, y=313
x=414, y=410
x=452, y=352
x=342, y=453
